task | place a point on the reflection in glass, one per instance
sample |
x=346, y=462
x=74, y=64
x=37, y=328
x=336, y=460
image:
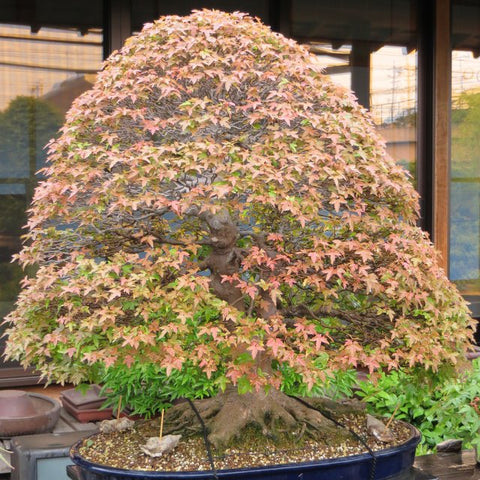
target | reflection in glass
x=392, y=94
x=41, y=73
x=465, y=175
x=394, y=102
x=146, y=11
x=369, y=47
x=27, y=124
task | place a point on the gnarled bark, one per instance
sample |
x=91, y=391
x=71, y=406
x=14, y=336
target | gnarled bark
x=277, y=416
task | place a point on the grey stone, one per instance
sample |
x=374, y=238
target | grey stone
x=450, y=445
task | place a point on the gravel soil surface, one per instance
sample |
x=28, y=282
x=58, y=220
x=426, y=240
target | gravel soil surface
x=122, y=449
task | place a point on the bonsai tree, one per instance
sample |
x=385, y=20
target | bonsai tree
x=218, y=214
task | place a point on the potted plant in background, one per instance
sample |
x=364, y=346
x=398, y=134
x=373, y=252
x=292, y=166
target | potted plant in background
x=220, y=222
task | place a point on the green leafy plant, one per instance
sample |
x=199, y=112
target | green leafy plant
x=146, y=388
x=218, y=216
x=440, y=405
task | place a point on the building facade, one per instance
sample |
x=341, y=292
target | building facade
x=413, y=63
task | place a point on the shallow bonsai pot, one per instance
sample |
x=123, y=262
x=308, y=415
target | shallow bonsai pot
x=91, y=399
x=391, y=463
x=85, y=415
x=24, y=413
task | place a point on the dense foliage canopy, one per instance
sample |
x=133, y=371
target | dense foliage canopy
x=216, y=205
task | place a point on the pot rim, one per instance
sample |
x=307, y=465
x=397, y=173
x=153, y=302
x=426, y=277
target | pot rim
x=412, y=442
x=55, y=404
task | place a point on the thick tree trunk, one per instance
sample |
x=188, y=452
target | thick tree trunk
x=225, y=258
x=277, y=416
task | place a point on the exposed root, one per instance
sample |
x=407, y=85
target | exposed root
x=275, y=415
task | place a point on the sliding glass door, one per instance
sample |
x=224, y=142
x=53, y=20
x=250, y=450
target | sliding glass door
x=49, y=54
x=465, y=152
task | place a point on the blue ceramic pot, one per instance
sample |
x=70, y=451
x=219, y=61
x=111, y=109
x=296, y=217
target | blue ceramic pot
x=391, y=463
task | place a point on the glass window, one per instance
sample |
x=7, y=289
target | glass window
x=144, y=11
x=464, y=257
x=372, y=50
x=46, y=61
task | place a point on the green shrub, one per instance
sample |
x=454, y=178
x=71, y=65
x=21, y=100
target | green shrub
x=440, y=406
x=147, y=389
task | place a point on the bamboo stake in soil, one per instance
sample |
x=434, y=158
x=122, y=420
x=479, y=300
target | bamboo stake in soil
x=119, y=406
x=161, y=425
x=393, y=414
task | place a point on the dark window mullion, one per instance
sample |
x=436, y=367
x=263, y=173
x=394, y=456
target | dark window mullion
x=117, y=24
x=425, y=113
